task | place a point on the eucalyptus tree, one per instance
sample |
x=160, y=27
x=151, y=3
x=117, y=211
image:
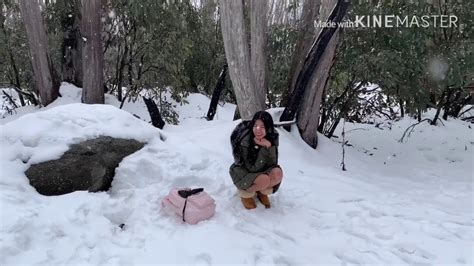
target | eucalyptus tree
x=45, y=77
x=92, y=56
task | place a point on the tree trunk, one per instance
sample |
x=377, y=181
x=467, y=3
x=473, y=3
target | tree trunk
x=236, y=114
x=400, y=103
x=328, y=109
x=446, y=94
x=333, y=127
x=306, y=98
x=402, y=110
x=258, y=41
x=156, y=119
x=209, y=8
x=216, y=94
x=305, y=40
x=92, y=56
x=453, y=104
x=323, y=119
x=308, y=115
x=238, y=58
x=131, y=59
x=17, y=78
x=46, y=80
x=455, y=112
x=16, y=74
x=345, y=106
x=72, y=45
x=121, y=66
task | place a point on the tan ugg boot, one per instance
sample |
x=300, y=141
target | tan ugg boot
x=247, y=199
x=263, y=197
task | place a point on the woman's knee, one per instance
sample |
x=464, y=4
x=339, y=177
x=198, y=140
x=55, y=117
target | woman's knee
x=276, y=173
x=262, y=181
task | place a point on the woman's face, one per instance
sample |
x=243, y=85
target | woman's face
x=259, y=129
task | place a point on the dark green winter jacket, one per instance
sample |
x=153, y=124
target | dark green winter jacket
x=244, y=174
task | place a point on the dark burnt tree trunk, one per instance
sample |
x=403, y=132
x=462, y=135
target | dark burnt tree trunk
x=456, y=112
x=306, y=38
x=445, y=95
x=400, y=103
x=455, y=104
x=323, y=113
x=306, y=75
x=217, y=93
x=92, y=56
x=449, y=103
x=236, y=113
x=71, y=47
x=119, y=76
x=46, y=79
x=156, y=119
x=309, y=112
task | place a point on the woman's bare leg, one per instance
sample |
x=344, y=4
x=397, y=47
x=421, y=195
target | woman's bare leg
x=261, y=182
x=276, y=175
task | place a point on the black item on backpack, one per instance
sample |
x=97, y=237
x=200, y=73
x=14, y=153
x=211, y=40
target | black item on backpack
x=239, y=132
x=185, y=193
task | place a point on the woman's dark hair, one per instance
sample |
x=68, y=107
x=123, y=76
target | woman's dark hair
x=271, y=135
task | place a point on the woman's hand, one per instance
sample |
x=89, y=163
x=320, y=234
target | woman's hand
x=263, y=142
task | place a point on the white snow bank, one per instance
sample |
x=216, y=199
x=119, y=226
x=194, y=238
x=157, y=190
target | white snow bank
x=406, y=209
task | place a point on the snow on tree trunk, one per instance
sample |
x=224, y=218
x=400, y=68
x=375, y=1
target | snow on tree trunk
x=258, y=57
x=308, y=116
x=92, y=57
x=238, y=58
x=46, y=80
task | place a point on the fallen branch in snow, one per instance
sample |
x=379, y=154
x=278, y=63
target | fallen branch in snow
x=10, y=99
x=467, y=110
x=124, y=97
x=411, y=128
x=442, y=123
x=354, y=129
x=468, y=119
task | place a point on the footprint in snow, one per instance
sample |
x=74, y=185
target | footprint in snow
x=412, y=253
x=203, y=259
x=202, y=165
x=281, y=260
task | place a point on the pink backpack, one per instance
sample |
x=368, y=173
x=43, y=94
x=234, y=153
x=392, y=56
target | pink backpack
x=193, y=205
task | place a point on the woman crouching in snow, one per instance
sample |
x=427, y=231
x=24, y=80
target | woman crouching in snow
x=256, y=171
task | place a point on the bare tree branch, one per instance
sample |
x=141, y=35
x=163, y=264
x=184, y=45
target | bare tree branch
x=411, y=128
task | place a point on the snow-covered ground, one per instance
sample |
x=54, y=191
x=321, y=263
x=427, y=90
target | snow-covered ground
x=398, y=203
